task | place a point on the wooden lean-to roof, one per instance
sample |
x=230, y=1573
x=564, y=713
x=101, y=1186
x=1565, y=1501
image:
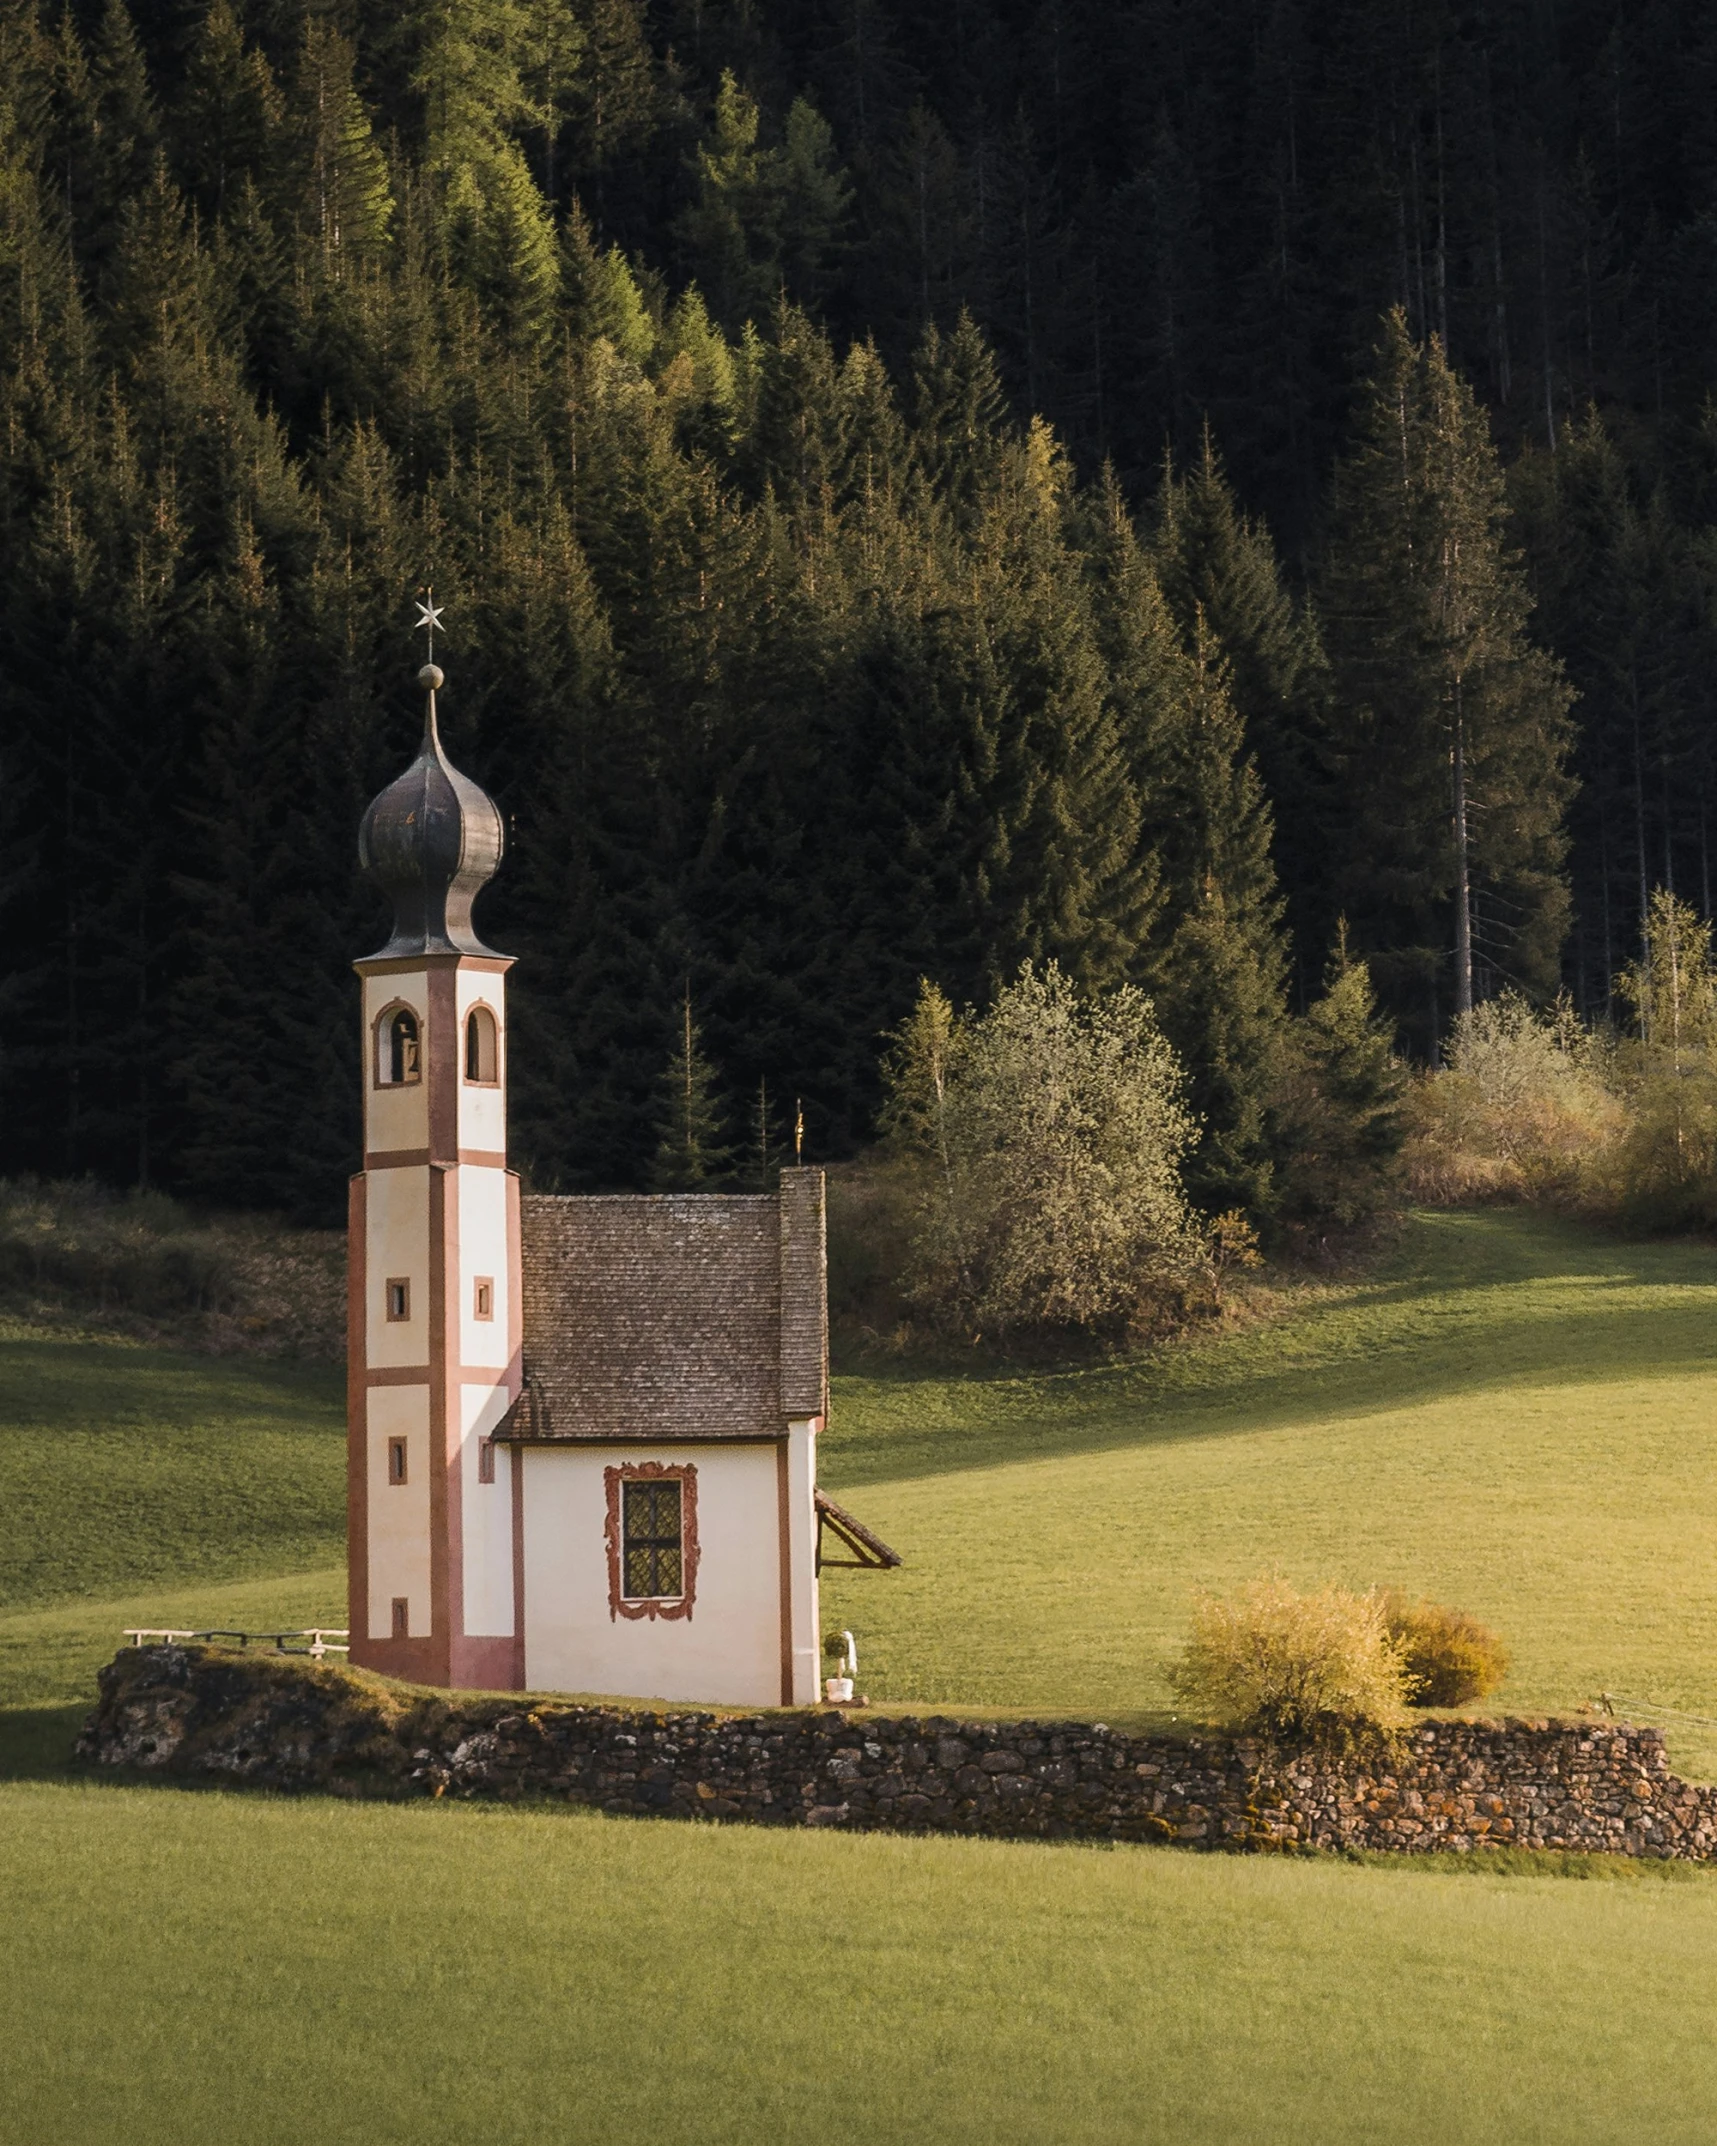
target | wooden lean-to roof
x=686, y=1315
x=869, y=1552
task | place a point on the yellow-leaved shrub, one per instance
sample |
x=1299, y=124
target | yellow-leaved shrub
x=1291, y=1663
x=1450, y=1656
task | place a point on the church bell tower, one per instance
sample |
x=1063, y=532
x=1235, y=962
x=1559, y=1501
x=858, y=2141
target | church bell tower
x=434, y=1320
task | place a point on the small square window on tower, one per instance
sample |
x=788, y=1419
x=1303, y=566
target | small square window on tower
x=401, y=1617
x=485, y=1298
x=485, y=1460
x=396, y=1460
x=399, y=1298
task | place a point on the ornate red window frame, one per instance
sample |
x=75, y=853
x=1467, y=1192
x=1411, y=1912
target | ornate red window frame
x=686, y=1475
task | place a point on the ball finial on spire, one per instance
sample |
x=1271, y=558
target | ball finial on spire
x=432, y=678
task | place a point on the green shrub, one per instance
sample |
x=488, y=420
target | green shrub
x=1293, y=1664
x=1048, y=1135
x=1450, y=1657
x=1523, y=1110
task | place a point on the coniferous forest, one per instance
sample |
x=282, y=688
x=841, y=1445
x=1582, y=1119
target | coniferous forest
x=1195, y=490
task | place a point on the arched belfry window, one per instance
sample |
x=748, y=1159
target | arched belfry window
x=398, y=1062
x=482, y=1041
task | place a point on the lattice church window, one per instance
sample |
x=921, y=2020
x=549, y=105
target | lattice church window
x=653, y=1544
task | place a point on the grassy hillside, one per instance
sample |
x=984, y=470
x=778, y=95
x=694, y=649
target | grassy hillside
x=122, y=1467
x=1515, y=1416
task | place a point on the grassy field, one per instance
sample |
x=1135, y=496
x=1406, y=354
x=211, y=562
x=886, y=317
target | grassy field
x=125, y=1466
x=1512, y=1416
x=1509, y=1414
x=189, y=1968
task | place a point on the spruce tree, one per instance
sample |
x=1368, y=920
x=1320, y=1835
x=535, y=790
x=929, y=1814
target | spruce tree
x=1215, y=953
x=1451, y=726
x=766, y=1146
x=601, y=292
x=730, y=233
x=690, y=1153
x=347, y=202
x=228, y=118
x=1218, y=565
x=115, y=158
x=493, y=226
x=959, y=414
x=815, y=204
x=1620, y=590
x=1341, y=1101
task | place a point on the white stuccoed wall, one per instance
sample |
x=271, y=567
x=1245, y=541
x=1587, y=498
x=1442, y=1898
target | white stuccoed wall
x=394, y=1118
x=488, y=1512
x=483, y=1109
x=806, y=1607
x=482, y=1198
x=399, y=1512
x=396, y=1231
x=727, y=1651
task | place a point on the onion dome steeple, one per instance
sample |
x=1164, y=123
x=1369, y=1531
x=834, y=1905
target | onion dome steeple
x=431, y=840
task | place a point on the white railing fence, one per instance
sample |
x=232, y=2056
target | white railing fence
x=323, y=1638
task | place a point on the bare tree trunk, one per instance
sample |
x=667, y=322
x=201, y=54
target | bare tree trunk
x=1639, y=816
x=1463, y=876
x=1609, y=937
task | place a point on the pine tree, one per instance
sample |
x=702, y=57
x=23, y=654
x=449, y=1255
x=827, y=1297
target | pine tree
x=959, y=413
x=1340, y=1102
x=228, y=120
x=1451, y=726
x=347, y=206
x=690, y=1154
x=1217, y=565
x=1215, y=954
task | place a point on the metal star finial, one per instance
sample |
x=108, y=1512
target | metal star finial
x=429, y=617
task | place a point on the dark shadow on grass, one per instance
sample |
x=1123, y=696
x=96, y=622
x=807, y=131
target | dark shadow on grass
x=53, y=1383
x=36, y=1741
x=1428, y=1334
x=1331, y=1393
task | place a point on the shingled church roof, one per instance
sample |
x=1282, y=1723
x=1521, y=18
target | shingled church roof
x=688, y=1315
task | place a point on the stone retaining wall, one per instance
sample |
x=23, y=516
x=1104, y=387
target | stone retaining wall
x=284, y=1723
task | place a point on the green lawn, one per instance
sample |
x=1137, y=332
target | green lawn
x=122, y=1466
x=1511, y=1415
x=188, y=1968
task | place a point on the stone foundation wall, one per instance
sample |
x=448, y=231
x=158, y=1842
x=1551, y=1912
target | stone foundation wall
x=277, y=1722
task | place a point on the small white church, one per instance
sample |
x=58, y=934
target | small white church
x=582, y=1432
